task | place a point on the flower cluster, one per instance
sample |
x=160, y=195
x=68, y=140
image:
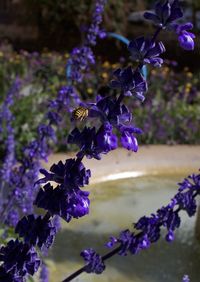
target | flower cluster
x=18, y=259
x=166, y=14
x=66, y=200
x=94, y=263
x=148, y=229
x=81, y=58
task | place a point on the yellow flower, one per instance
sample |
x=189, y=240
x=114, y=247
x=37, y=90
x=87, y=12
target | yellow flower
x=1, y=54
x=104, y=75
x=66, y=55
x=106, y=64
x=114, y=66
x=188, y=85
x=189, y=74
x=187, y=90
x=89, y=91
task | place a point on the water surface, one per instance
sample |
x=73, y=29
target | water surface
x=114, y=206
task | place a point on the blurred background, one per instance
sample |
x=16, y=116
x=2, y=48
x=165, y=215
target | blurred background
x=36, y=38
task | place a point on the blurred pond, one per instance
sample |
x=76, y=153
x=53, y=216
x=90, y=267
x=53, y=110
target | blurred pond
x=114, y=206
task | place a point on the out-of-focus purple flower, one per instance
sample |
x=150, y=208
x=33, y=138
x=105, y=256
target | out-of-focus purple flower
x=46, y=131
x=130, y=82
x=185, y=38
x=19, y=259
x=67, y=97
x=186, y=278
x=166, y=12
x=105, y=138
x=72, y=174
x=94, y=262
x=94, y=30
x=80, y=59
x=146, y=52
x=36, y=231
x=44, y=273
x=12, y=217
x=65, y=203
x=6, y=120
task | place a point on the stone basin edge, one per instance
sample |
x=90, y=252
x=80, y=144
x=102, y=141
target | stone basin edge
x=149, y=160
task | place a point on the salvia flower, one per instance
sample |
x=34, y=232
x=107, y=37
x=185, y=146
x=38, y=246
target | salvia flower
x=106, y=139
x=70, y=174
x=94, y=30
x=94, y=262
x=185, y=38
x=149, y=228
x=44, y=273
x=146, y=52
x=186, y=278
x=19, y=259
x=107, y=109
x=36, y=231
x=128, y=139
x=130, y=82
x=86, y=140
x=166, y=12
x=65, y=203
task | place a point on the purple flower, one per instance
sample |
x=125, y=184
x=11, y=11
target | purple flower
x=146, y=52
x=128, y=139
x=94, y=262
x=185, y=38
x=44, y=273
x=86, y=140
x=19, y=259
x=130, y=82
x=186, y=278
x=108, y=109
x=72, y=174
x=187, y=202
x=166, y=12
x=46, y=131
x=94, y=31
x=149, y=226
x=106, y=140
x=8, y=277
x=79, y=61
x=67, y=204
x=36, y=231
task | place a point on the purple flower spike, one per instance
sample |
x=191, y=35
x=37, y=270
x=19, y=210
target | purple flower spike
x=94, y=262
x=146, y=52
x=166, y=12
x=67, y=204
x=18, y=260
x=36, y=231
x=185, y=38
x=44, y=273
x=130, y=82
x=71, y=174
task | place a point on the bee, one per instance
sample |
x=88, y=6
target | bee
x=80, y=113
